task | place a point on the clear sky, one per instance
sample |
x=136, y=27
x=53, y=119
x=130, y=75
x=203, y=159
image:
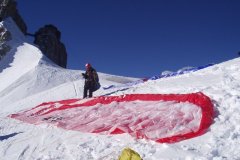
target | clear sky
x=140, y=38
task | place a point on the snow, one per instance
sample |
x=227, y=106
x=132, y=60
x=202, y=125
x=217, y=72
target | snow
x=28, y=79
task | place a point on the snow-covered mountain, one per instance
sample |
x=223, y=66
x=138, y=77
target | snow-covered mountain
x=27, y=71
x=28, y=78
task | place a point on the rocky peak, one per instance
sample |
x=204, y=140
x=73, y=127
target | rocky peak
x=8, y=8
x=48, y=40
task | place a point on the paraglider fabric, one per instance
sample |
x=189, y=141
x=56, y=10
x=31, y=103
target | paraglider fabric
x=164, y=118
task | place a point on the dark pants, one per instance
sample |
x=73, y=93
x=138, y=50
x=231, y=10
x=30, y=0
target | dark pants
x=88, y=91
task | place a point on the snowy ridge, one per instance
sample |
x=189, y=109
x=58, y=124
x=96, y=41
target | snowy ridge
x=21, y=58
x=164, y=74
x=28, y=79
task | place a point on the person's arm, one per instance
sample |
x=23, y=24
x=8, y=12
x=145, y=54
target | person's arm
x=85, y=75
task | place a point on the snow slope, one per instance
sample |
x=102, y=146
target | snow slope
x=27, y=78
x=27, y=71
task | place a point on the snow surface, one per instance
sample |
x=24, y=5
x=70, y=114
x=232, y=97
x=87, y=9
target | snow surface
x=28, y=78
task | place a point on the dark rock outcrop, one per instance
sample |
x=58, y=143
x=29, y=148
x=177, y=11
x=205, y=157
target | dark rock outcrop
x=8, y=8
x=48, y=40
x=47, y=37
x=5, y=36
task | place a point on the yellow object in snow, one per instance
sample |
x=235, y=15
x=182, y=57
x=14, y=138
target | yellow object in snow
x=129, y=154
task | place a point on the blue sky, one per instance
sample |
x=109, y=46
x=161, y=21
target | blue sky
x=140, y=38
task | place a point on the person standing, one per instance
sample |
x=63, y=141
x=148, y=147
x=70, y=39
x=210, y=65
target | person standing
x=91, y=81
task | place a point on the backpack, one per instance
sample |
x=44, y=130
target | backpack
x=129, y=154
x=96, y=79
x=97, y=86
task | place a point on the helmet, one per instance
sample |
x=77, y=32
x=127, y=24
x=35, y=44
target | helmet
x=88, y=65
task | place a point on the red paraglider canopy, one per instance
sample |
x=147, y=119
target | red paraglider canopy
x=164, y=118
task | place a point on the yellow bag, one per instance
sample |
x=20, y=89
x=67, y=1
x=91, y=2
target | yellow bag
x=129, y=154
